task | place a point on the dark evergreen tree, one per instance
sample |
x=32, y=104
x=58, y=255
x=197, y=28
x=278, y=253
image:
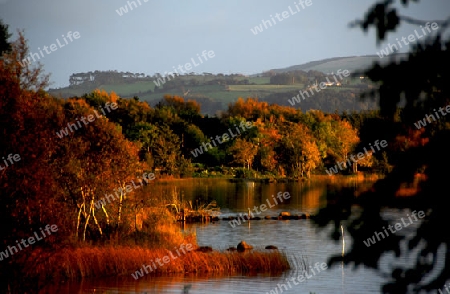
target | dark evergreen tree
x=418, y=85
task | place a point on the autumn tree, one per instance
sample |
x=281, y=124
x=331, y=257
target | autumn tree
x=346, y=138
x=321, y=127
x=22, y=185
x=311, y=157
x=298, y=150
x=93, y=170
x=250, y=109
x=335, y=138
x=188, y=110
x=243, y=152
x=268, y=138
x=129, y=112
x=60, y=177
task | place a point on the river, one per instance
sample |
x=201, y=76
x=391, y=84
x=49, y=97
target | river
x=300, y=239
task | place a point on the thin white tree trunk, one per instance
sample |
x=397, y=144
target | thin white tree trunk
x=79, y=220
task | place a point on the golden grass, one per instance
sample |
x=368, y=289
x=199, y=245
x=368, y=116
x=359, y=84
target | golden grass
x=77, y=263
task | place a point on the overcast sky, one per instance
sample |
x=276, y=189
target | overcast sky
x=158, y=35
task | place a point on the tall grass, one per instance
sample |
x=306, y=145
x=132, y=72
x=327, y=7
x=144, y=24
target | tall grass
x=84, y=262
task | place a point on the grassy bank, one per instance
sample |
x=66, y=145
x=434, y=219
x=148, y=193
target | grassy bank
x=158, y=236
x=90, y=262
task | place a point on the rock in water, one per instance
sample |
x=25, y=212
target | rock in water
x=244, y=246
x=284, y=215
x=204, y=249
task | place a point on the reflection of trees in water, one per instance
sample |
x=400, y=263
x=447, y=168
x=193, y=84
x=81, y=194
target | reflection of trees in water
x=309, y=195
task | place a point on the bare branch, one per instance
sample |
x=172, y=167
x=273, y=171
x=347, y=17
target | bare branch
x=410, y=20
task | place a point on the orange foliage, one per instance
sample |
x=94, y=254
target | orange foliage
x=412, y=138
x=112, y=97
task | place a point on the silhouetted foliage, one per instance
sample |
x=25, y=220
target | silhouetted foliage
x=408, y=91
x=5, y=45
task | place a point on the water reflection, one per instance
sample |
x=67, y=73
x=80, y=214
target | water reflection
x=300, y=239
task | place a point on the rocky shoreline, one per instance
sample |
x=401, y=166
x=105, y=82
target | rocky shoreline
x=282, y=216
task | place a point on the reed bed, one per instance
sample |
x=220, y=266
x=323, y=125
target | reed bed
x=84, y=262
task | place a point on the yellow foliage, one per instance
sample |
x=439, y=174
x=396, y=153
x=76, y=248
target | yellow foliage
x=112, y=97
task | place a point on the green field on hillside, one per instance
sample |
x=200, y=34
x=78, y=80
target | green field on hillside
x=265, y=88
x=222, y=89
x=215, y=92
x=124, y=90
x=259, y=80
x=220, y=93
x=127, y=89
x=351, y=64
x=68, y=92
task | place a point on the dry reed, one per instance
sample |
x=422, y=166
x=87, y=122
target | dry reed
x=77, y=263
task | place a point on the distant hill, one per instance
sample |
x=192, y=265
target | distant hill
x=215, y=92
x=355, y=64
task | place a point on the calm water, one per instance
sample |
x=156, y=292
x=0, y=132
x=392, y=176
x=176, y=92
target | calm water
x=298, y=238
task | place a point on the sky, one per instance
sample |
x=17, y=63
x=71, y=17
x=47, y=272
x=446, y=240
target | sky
x=157, y=35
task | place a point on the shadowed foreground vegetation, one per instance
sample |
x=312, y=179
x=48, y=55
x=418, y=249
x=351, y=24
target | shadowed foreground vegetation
x=420, y=258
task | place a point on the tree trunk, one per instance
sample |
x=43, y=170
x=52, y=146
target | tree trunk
x=119, y=212
x=79, y=220
x=92, y=209
x=85, y=227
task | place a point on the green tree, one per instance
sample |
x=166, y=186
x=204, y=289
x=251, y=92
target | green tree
x=166, y=150
x=5, y=46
